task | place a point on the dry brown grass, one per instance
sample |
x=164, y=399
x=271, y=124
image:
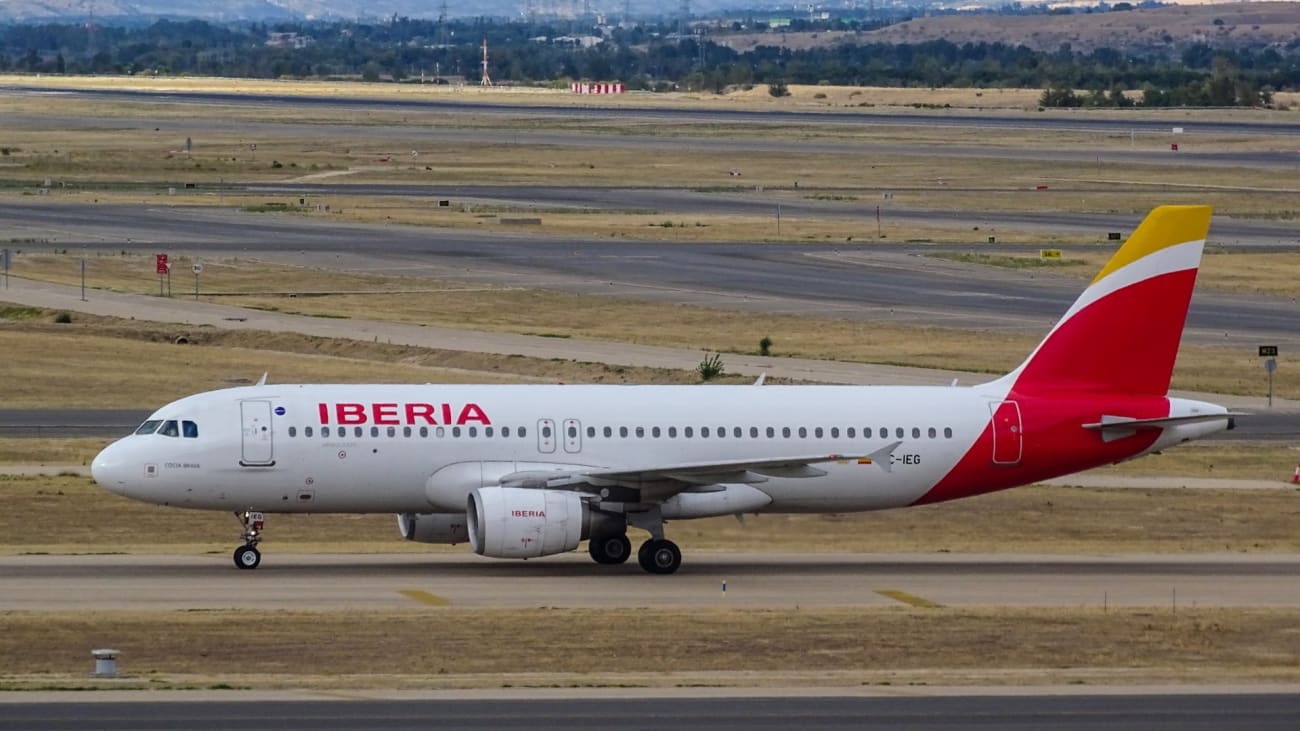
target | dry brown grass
x=455, y=648
x=50, y=450
x=73, y=515
x=890, y=339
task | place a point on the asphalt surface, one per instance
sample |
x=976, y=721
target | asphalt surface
x=895, y=285
x=395, y=581
x=1183, y=712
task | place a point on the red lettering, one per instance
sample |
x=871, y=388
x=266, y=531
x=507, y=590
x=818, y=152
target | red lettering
x=472, y=412
x=324, y=411
x=528, y=513
x=446, y=413
x=350, y=413
x=420, y=411
x=385, y=413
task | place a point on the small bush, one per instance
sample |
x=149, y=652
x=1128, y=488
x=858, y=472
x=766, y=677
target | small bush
x=778, y=89
x=63, y=318
x=711, y=367
x=276, y=164
x=765, y=346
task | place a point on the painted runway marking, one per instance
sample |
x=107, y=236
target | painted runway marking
x=424, y=597
x=911, y=600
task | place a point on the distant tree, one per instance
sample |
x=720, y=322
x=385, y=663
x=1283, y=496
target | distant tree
x=370, y=72
x=778, y=88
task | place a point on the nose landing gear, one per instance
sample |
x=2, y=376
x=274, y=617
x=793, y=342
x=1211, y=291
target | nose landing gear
x=247, y=556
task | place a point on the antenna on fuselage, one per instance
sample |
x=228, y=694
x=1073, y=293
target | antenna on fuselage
x=761, y=377
x=262, y=381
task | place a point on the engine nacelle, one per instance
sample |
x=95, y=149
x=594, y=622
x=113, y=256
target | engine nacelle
x=433, y=527
x=521, y=522
x=447, y=489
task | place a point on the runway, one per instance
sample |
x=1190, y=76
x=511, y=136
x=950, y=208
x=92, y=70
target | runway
x=1207, y=711
x=752, y=581
x=887, y=284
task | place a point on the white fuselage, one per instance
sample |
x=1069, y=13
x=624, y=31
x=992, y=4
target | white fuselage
x=374, y=448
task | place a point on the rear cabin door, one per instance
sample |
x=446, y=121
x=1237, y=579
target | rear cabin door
x=257, y=434
x=1008, y=434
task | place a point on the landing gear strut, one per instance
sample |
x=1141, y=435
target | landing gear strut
x=610, y=549
x=247, y=556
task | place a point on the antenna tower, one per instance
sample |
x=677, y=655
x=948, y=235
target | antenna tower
x=486, y=80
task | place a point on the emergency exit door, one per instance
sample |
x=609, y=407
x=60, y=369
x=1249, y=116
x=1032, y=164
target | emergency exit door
x=257, y=434
x=1008, y=433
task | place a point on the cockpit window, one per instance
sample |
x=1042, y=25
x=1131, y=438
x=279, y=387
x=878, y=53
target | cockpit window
x=149, y=427
x=189, y=430
x=170, y=429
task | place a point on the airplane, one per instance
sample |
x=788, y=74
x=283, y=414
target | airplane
x=523, y=471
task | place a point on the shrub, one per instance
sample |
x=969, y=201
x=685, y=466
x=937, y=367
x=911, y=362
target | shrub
x=711, y=367
x=765, y=346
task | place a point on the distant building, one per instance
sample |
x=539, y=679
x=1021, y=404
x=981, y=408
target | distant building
x=288, y=40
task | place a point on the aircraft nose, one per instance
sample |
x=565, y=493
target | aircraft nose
x=110, y=470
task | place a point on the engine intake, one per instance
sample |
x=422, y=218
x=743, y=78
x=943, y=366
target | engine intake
x=519, y=522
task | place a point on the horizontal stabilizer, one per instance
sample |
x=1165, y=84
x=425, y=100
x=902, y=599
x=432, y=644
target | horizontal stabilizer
x=1119, y=427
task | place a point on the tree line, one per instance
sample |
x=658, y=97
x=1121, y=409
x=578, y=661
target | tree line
x=647, y=56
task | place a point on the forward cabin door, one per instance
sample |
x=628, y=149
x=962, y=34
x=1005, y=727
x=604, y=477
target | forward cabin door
x=257, y=435
x=1008, y=434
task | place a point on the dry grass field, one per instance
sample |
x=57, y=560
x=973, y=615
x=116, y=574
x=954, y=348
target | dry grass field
x=890, y=339
x=449, y=648
x=64, y=514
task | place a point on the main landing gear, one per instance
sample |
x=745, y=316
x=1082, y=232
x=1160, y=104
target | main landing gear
x=247, y=556
x=657, y=555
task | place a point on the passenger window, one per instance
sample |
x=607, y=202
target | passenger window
x=324, y=431
x=771, y=432
x=169, y=429
x=916, y=432
x=737, y=432
x=374, y=431
x=655, y=432
x=947, y=432
x=817, y=432
x=640, y=432
x=785, y=432
x=609, y=432
x=850, y=433
x=356, y=432
x=722, y=432
x=622, y=431
x=523, y=432
x=306, y=431
x=149, y=427
x=933, y=433
x=591, y=432
x=687, y=432
x=189, y=430
x=455, y=431
x=440, y=432
x=898, y=432
x=704, y=432
x=505, y=431
x=406, y=432
x=293, y=431
x=392, y=431
x=473, y=431
x=753, y=432
x=803, y=432
x=672, y=432
x=487, y=431
x=835, y=432
x=546, y=432
x=424, y=432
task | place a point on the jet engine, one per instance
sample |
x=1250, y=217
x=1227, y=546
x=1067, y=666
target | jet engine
x=521, y=522
x=433, y=527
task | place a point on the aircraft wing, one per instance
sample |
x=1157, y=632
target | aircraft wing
x=670, y=479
